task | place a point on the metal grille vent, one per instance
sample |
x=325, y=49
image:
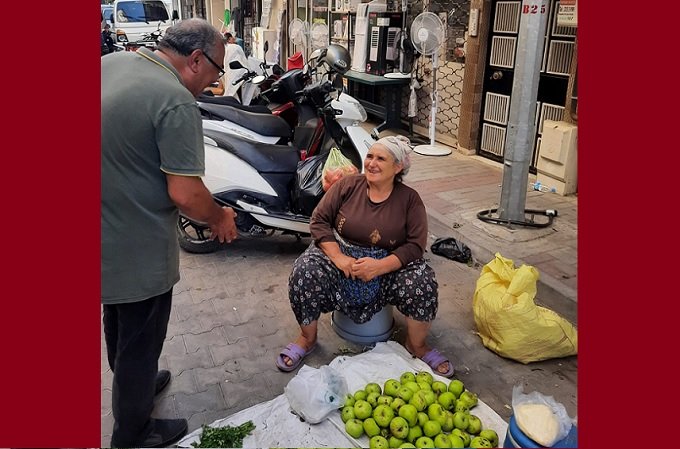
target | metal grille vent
x=496, y=108
x=503, y=52
x=561, y=31
x=493, y=139
x=559, y=57
x=549, y=112
x=507, y=17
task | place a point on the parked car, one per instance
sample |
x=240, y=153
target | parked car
x=107, y=13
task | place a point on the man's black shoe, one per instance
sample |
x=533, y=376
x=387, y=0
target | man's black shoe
x=162, y=380
x=165, y=432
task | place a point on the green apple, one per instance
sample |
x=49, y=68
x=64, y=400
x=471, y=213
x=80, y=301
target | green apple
x=447, y=425
x=362, y=409
x=439, y=387
x=456, y=441
x=378, y=442
x=430, y=396
x=394, y=442
x=391, y=387
x=461, y=406
x=480, y=442
x=414, y=432
x=405, y=393
x=419, y=399
x=474, y=425
x=407, y=445
x=371, y=427
x=442, y=440
x=422, y=418
x=399, y=427
x=435, y=412
x=424, y=376
x=397, y=403
x=447, y=400
x=349, y=400
x=407, y=376
x=410, y=413
x=354, y=427
x=372, y=398
x=347, y=413
x=432, y=428
x=360, y=395
x=384, y=399
x=412, y=385
x=490, y=435
x=373, y=387
x=424, y=442
x=463, y=435
x=385, y=432
x=383, y=414
x=460, y=420
x=469, y=398
x=456, y=387
x=424, y=385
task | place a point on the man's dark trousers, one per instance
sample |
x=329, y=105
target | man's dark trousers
x=134, y=335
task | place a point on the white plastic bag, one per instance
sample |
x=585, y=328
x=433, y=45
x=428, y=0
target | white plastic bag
x=314, y=393
x=540, y=417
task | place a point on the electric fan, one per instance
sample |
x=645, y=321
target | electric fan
x=319, y=35
x=427, y=35
x=298, y=33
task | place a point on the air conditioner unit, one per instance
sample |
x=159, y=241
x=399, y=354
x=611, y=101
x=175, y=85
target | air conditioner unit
x=361, y=32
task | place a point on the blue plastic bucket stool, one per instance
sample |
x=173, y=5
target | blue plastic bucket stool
x=378, y=328
x=516, y=438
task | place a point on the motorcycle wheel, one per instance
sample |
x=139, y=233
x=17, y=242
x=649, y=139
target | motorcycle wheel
x=194, y=238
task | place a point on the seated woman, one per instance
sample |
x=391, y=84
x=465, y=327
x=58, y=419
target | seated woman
x=369, y=234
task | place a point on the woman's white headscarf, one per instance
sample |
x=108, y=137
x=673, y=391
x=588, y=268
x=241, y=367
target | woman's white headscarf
x=399, y=147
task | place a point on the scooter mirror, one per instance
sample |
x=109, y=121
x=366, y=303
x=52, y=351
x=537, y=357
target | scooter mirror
x=266, y=47
x=315, y=54
x=258, y=79
x=235, y=65
x=305, y=69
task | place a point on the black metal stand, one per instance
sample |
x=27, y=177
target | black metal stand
x=485, y=215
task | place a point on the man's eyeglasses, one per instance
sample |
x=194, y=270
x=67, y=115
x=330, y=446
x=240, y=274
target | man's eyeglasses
x=220, y=69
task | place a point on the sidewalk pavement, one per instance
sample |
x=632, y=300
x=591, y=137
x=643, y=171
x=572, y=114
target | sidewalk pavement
x=231, y=314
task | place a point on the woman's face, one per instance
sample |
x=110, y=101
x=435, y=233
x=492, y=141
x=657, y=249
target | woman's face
x=379, y=164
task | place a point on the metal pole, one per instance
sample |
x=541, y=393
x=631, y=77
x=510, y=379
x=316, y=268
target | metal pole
x=521, y=127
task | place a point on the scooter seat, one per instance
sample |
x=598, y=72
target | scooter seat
x=264, y=124
x=265, y=158
x=233, y=102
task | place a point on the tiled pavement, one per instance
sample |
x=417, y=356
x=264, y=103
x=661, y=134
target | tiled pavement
x=231, y=314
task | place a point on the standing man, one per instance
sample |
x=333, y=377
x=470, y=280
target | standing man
x=151, y=162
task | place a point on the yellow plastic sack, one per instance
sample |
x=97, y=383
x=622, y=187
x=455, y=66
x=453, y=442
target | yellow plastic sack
x=510, y=323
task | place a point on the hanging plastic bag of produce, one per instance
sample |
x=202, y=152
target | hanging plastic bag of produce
x=314, y=393
x=337, y=165
x=510, y=323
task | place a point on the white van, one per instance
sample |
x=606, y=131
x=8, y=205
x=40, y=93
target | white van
x=132, y=18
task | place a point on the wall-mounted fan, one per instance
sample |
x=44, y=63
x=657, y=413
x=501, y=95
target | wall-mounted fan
x=298, y=33
x=427, y=35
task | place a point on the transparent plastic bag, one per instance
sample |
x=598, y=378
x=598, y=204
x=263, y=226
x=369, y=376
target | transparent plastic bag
x=533, y=416
x=337, y=165
x=314, y=393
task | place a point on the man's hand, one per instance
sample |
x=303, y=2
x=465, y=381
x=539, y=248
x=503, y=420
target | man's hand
x=224, y=229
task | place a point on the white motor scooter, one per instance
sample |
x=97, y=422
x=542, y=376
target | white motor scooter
x=260, y=180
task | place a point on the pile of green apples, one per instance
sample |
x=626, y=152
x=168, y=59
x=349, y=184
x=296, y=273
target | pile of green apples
x=416, y=411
